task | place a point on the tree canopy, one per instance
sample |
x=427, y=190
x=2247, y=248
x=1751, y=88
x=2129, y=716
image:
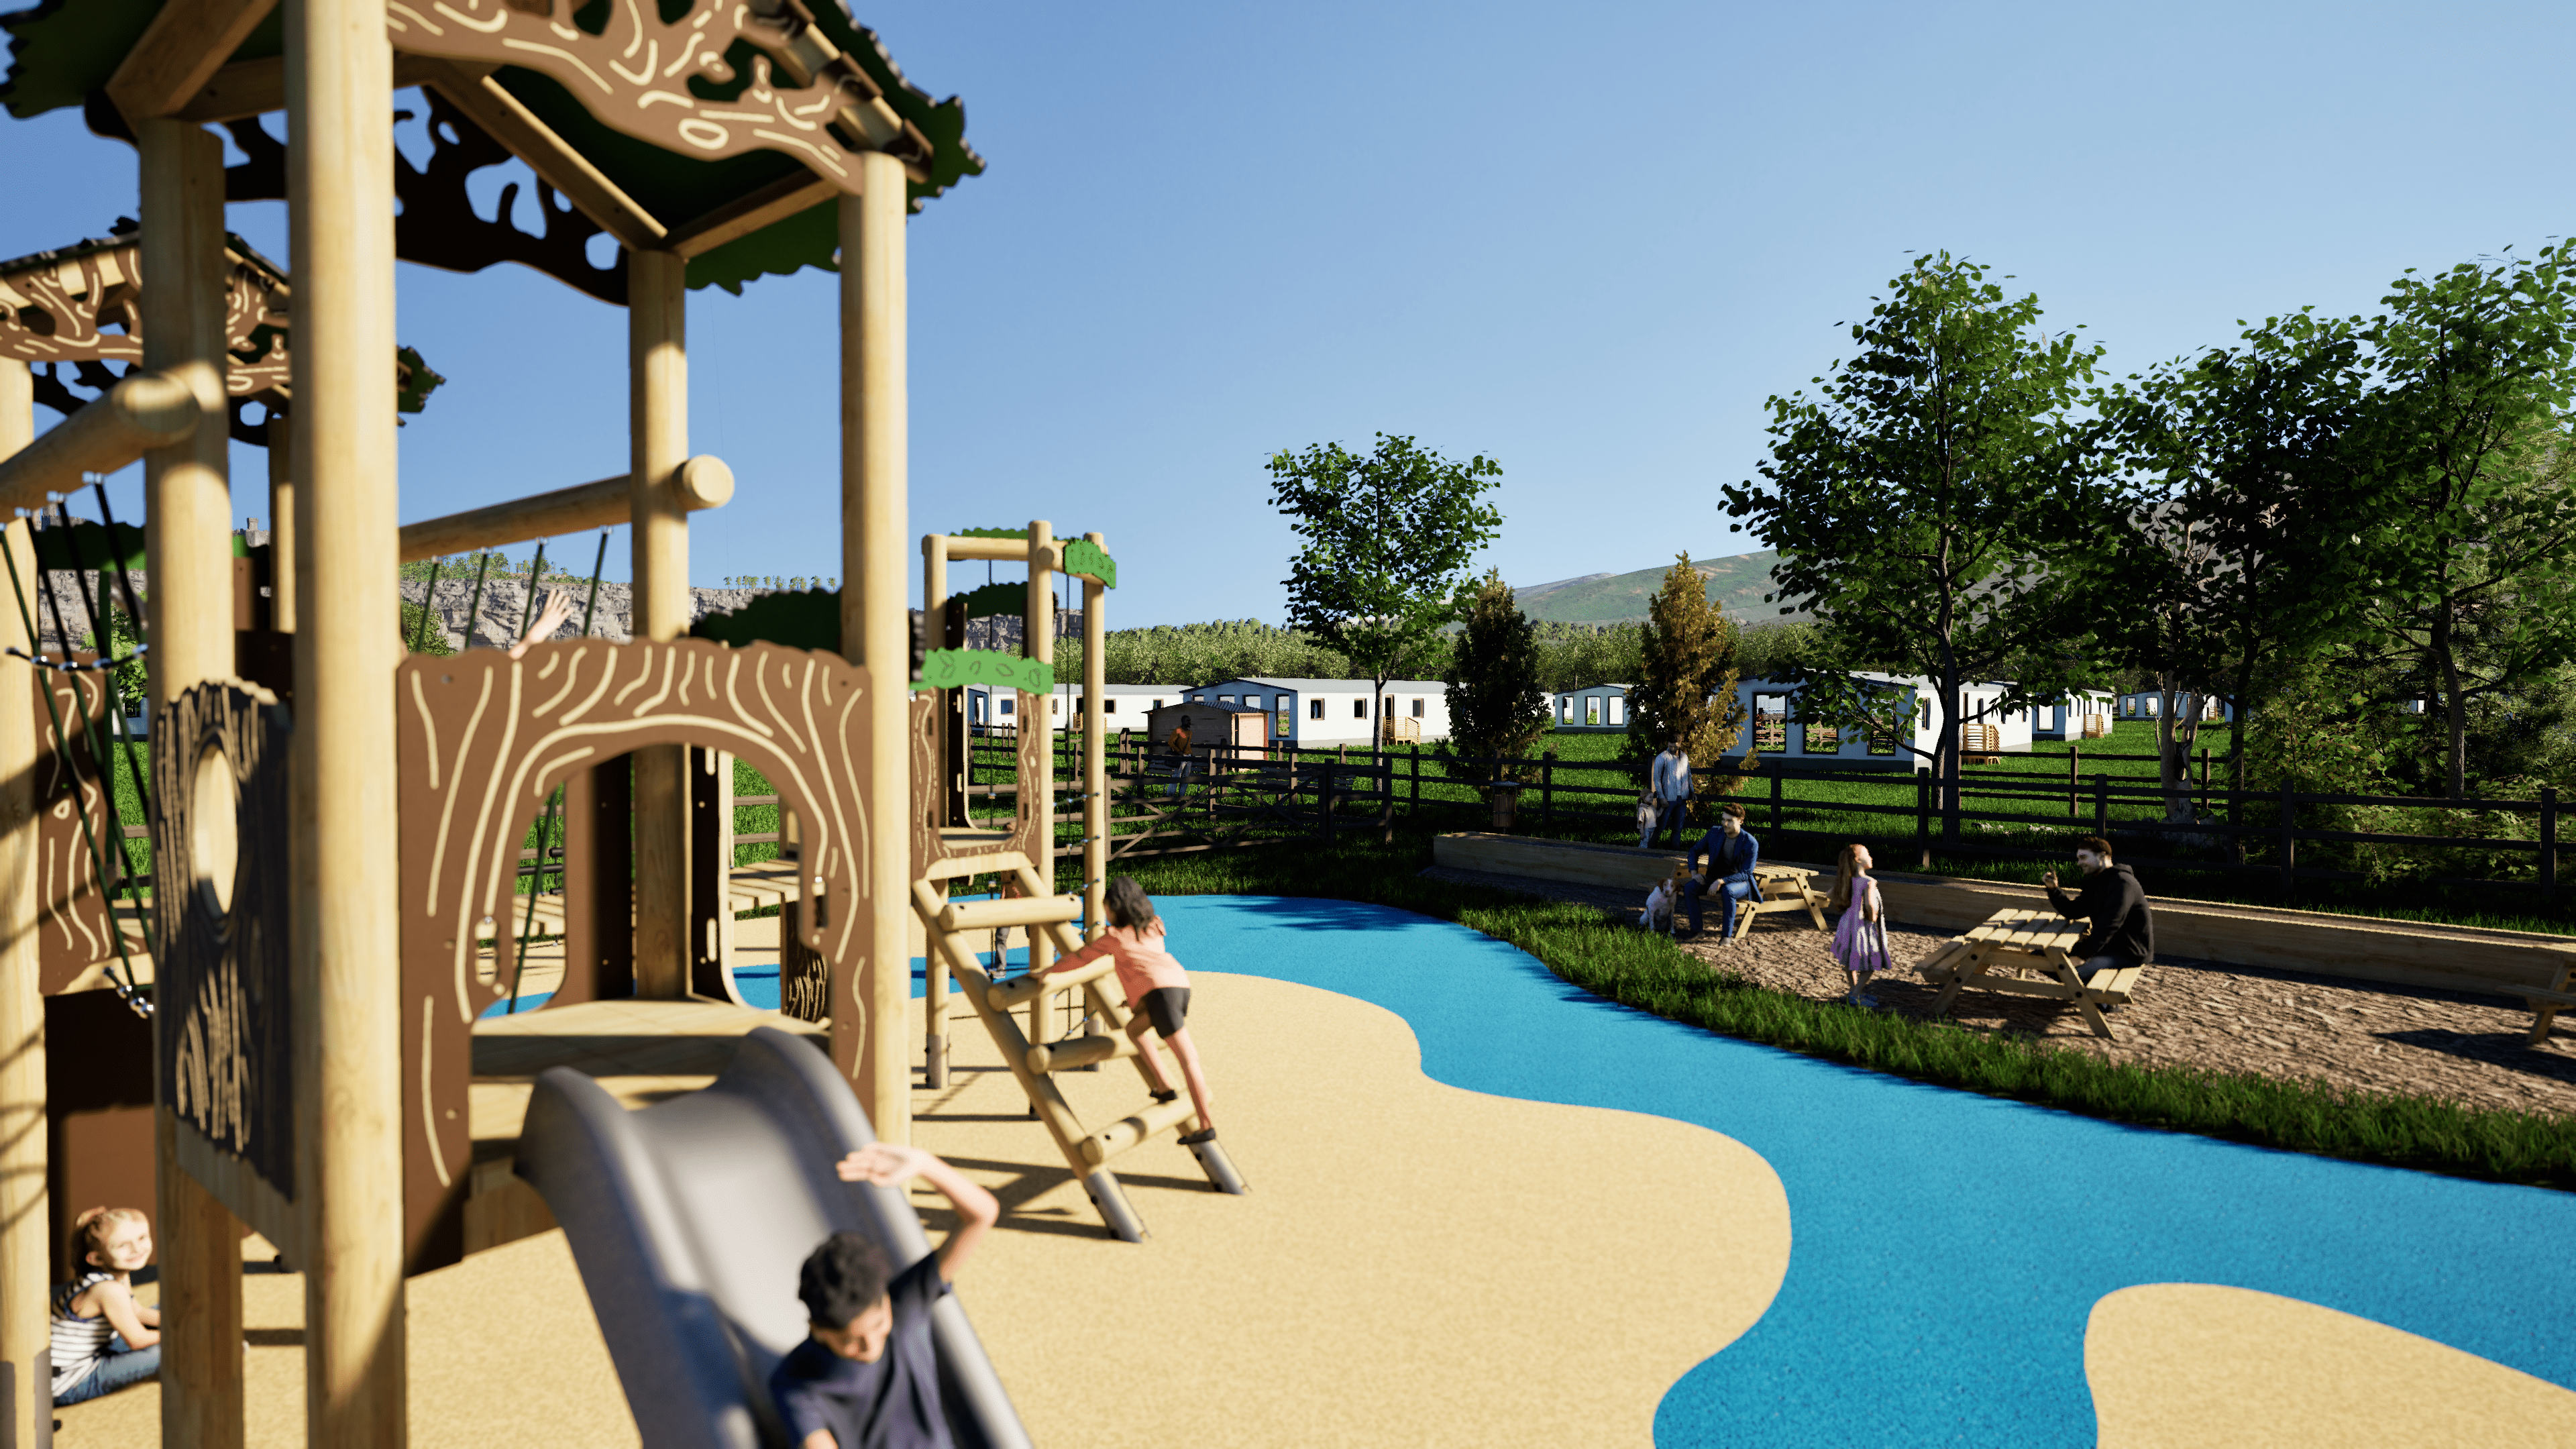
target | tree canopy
x=1387, y=538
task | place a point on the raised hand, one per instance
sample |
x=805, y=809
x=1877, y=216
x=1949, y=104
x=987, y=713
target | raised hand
x=883, y=1163
x=556, y=611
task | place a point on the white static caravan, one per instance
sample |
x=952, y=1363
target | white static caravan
x=2150, y=703
x=1600, y=707
x=1321, y=713
x=1122, y=706
x=2084, y=715
x=1771, y=718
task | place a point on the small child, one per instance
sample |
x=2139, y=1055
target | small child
x=867, y=1377
x=103, y=1339
x=1647, y=814
x=1158, y=992
x=1860, y=940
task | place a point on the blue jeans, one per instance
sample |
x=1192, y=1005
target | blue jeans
x=121, y=1367
x=1670, y=821
x=1730, y=891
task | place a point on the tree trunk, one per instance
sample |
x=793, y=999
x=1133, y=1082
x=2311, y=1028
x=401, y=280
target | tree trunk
x=2179, y=708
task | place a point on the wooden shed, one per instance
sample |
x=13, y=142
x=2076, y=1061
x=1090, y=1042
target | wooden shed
x=1245, y=726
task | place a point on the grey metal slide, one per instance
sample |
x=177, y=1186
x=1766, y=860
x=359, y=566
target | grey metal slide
x=689, y=1220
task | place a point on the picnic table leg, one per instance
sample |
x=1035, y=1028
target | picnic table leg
x=1815, y=909
x=1970, y=967
x=2543, y=1013
x=2065, y=970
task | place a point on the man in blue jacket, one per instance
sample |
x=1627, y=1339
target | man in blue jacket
x=1732, y=853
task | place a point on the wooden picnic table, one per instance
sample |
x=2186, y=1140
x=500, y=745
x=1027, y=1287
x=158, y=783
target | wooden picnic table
x=2024, y=953
x=1784, y=888
x=2545, y=1005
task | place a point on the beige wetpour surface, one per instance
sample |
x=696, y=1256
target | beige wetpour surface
x=1414, y=1265
x=2181, y=1365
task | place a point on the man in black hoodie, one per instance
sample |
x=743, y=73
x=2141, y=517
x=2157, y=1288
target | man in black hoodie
x=2121, y=932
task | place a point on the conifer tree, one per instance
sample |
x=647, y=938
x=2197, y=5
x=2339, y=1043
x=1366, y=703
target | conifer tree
x=1496, y=707
x=1685, y=691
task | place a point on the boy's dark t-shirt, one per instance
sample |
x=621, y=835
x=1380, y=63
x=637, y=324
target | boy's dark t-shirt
x=892, y=1403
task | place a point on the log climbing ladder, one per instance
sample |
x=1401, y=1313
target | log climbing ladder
x=947, y=927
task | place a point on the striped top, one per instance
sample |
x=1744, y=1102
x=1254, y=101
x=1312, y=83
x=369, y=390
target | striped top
x=80, y=1344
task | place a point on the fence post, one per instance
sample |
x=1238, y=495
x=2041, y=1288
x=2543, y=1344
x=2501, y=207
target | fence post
x=1386, y=800
x=2548, y=843
x=2074, y=778
x=2289, y=842
x=1922, y=820
x=1776, y=779
x=2101, y=806
x=1324, y=801
x=2202, y=809
x=1414, y=805
x=1547, y=790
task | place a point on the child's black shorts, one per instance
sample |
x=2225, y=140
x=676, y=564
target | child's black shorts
x=1167, y=1007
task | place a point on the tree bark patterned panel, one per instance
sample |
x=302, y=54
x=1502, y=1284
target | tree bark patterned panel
x=72, y=917
x=782, y=81
x=482, y=740
x=219, y=935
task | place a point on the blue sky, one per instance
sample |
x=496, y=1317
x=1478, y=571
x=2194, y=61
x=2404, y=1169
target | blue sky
x=1587, y=241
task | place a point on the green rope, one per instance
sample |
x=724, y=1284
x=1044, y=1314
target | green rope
x=126, y=990
x=428, y=602
x=115, y=696
x=474, y=610
x=554, y=797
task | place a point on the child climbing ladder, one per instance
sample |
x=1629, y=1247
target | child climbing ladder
x=950, y=925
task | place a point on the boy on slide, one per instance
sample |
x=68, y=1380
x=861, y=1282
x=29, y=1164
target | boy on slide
x=1158, y=992
x=867, y=1377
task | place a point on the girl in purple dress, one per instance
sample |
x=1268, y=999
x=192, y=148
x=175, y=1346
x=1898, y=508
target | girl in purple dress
x=1860, y=941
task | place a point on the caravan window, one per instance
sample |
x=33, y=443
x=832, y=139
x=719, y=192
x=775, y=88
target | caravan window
x=1008, y=703
x=1359, y=708
x=1591, y=710
x=1615, y=710
x=1314, y=709
x=1417, y=709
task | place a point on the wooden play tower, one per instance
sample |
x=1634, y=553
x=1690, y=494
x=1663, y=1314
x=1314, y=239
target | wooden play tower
x=312, y=1004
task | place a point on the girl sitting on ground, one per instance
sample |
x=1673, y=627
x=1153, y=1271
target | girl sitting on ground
x=103, y=1339
x=1158, y=992
x=1860, y=941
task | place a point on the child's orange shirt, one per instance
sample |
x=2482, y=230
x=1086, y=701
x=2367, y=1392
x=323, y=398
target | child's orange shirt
x=1143, y=962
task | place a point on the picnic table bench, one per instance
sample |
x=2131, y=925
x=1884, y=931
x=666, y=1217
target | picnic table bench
x=2024, y=953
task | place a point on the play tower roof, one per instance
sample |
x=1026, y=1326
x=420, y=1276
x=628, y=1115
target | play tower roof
x=728, y=132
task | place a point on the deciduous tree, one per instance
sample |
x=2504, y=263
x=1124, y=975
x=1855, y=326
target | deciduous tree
x=1388, y=537
x=1921, y=501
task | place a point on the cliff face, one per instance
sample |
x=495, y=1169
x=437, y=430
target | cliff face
x=504, y=605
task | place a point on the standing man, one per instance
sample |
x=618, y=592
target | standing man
x=1672, y=786
x=2120, y=931
x=1176, y=748
x=1732, y=853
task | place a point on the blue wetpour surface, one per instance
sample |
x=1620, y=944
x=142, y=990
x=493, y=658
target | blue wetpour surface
x=1947, y=1247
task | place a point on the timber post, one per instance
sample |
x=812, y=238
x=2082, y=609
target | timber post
x=1095, y=747
x=348, y=1043
x=26, y=1329
x=188, y=501
x=657, y=362
x=869, y=1012
x=2548, y=842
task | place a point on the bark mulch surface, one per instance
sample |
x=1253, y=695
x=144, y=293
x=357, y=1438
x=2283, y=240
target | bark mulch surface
x=2363, y=1036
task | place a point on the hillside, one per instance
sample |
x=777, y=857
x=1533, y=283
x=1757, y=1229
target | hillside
x=1735, y=585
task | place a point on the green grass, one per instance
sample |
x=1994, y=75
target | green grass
x=1646, y=971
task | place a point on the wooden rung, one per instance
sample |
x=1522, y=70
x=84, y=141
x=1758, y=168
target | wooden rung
x=1019, y=991
x=1002, y=914
x=1081, y=1051
x=1000, y=860
x=1126, y=1132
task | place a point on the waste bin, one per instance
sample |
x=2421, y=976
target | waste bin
x=1506, y=796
